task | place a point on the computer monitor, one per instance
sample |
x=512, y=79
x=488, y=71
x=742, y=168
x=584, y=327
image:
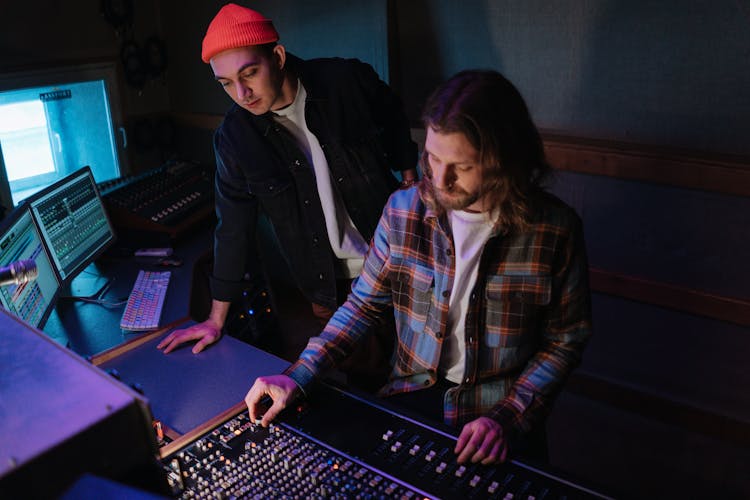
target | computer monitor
x=20, y=240
x=73, y=222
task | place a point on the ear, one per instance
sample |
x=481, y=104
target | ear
x=280, y=53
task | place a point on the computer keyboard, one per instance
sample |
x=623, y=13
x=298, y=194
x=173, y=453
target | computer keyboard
x=145, y=301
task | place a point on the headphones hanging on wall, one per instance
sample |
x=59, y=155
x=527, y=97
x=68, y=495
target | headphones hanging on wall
x=118, y=13
x=155, y=55
x=133, y=64
x=140, y=63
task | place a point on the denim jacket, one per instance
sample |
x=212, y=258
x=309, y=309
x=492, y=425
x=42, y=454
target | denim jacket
x=364, y=134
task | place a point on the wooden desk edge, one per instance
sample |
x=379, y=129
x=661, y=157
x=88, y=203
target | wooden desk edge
x=118, y=350
x=191, y=435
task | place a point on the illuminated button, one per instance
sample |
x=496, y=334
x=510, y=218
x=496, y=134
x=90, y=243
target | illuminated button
x=474, y=481
x=414, y=450
x=396, y=446
x=493, y=487
x=440, y=468
x=430, y=455
x=387, y=435
x=460, y=471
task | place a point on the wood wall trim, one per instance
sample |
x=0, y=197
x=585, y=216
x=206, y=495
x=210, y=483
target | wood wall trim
x=120, y=349
x=198, y=120
x=729, y=309
x=671, y=166
x=673, y=413
x=200, y=429
x=719, y=173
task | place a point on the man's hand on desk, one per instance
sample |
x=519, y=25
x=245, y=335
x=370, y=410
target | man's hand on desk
x=280, y=388
x=205, y=333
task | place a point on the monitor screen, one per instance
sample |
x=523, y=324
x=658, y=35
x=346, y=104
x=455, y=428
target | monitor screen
x=73, y=222
x=20, y=240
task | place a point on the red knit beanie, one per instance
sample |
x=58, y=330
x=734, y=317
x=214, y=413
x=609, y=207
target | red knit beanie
x=235, y=26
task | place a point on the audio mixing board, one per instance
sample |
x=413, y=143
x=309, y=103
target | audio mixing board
x=343, y=446
x=169, y=199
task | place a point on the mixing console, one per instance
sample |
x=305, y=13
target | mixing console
x=342, y=446
x=168, y=199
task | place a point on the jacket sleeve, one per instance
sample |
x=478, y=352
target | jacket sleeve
x=566, y=329
x=389, y=114
x=235, y=249
x=368, y=302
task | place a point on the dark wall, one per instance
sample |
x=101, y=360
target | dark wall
x=654, y=72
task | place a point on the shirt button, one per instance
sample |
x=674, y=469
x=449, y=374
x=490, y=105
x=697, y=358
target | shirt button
x=448, y=252
x=473, y=296
x=446, y=293
x=270, y=188
x=297, y=163
x=470, y=340
x=438, y=334
x=426, y=382
x=320, y=276
x=340, y=180
x=467, y=380
x=307, y=202
x=315, y=239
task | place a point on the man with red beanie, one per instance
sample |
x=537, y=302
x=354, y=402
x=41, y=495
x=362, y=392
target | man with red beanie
x=311, y=144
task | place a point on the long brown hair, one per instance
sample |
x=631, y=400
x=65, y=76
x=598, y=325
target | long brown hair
x=485, y=107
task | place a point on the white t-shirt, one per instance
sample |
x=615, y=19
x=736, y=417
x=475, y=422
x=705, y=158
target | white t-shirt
x=347, y=244
x=470, y=232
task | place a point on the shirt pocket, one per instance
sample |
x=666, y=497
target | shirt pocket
x=514, y=304
x=269, y=187
x=412, y=285
x=277, y=197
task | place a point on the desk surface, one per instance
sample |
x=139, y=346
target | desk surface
x=185, y=389
x=88, y=328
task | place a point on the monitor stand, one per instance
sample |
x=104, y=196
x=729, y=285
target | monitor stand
x=89, y=284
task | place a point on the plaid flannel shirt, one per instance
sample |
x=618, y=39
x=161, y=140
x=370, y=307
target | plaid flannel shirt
x=528, y=319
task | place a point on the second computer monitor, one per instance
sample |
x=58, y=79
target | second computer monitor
x=73, y=222
x=20, y=240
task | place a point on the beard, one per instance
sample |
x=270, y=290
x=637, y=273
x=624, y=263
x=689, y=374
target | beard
x=455, y=198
